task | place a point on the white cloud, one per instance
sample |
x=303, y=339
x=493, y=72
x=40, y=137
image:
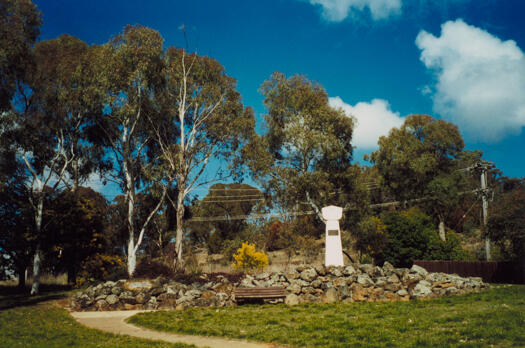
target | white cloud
x=480, y=80
x=338, y=10
x=374, y=119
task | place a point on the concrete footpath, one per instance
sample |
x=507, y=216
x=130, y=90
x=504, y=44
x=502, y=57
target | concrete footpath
x=114, y=322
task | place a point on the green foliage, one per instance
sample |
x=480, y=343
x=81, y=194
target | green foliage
x=411, y=235
x=101, y=267
x=371, y=237
x=305, y=156
x=494, y=317
x=21, y=21
x=506, y=225
x=248, y=259
x=420, y=159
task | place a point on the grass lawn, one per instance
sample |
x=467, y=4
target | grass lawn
x=34, y=322
x=494, y=317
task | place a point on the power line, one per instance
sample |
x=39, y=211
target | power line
x=232, y=200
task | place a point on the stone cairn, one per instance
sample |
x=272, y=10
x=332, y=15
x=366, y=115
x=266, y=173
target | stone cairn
x=305, y=284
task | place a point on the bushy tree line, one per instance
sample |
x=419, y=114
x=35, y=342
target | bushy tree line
x=161, y=122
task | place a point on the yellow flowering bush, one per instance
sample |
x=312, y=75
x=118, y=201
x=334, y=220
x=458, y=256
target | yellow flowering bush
x=247, y=258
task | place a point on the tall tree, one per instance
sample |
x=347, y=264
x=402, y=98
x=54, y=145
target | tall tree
x=67, y=86
x=203, y=120
x=19, y=30
x=305, y=157
x=132, y=66
x=420, y=159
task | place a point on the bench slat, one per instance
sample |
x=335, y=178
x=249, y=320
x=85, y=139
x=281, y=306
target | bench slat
x=273, y=292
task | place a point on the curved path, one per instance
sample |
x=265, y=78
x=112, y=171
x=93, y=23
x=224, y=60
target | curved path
x=114, y=322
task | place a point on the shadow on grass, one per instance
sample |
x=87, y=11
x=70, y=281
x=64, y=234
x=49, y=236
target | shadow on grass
x=11, y=296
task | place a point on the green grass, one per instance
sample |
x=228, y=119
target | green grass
x=494, y=317
x=29, y=322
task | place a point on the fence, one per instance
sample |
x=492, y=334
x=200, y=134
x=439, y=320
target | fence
x=492, y=272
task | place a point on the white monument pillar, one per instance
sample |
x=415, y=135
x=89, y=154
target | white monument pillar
x=333, y=245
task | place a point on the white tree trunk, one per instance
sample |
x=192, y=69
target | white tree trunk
x=442, y=230
x=132, y=257
x=180, y=227
x=37, y=259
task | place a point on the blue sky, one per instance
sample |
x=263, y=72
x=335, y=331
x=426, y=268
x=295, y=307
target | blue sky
x=380, y=60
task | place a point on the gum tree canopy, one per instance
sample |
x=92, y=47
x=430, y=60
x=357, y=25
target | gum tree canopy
x=202, y=120
x=420, y=159
x=305, y=157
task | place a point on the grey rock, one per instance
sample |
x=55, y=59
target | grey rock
x=327, y=285
x=422, y=289
x=112, y=299
x=292, y=275
x=452, y=290
x=381, y=281
x=101, y=304
x=308, y=274
x=291, y=300
x=364, y=280
x=320, y=269
x=247, y=283
x=184, y=300
x=336, y=271
x=308, y=290
x=193, y=293
x=100, y=297
x=331, y=296
x=300, y=282
x=349, y=270
x=294, y=288
x=344, y=291
x=367, y=268
x=116, y=290
x=127, y=297
x=402, y=292
x=388, y=267
x=393, y=278
x=317, y=283
x=261, y=283
x=142, y=297
x=419, y=270
x=411, y=278
x=262, y=276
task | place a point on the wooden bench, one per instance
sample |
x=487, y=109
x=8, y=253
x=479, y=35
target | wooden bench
x=258, y=294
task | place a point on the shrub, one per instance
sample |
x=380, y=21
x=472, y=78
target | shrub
x=101, y=267
x=371, y=237
x=247, y=258
x=152, y=269
x=413, y=236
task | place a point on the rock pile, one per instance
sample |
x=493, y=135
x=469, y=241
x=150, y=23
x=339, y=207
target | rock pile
x=353, y=283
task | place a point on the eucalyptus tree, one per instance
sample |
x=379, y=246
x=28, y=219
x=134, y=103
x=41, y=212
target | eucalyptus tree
x=36, y=137
x=131, y=68
x=304, y=159
x=421, y=159
x=68, y=87
x=19, y=30
x=203, y=121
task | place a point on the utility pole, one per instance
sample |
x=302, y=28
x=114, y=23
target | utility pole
x=484, y=193
x=484, y=166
